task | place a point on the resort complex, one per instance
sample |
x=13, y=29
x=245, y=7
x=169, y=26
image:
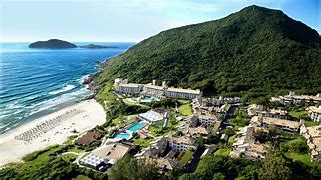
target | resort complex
x=151, y=89
x=292, y=98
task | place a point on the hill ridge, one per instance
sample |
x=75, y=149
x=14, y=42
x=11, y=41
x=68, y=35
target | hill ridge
x=255, y=50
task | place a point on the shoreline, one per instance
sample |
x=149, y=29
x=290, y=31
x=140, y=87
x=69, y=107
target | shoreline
x=50, y=129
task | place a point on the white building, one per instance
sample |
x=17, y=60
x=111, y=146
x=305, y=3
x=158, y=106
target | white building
x=122, y=86
x=151, y=116
x=315, y=113
x=152, y=89
x=207, y=120
x=183, y=93
x=181, y=143
x=313, y=137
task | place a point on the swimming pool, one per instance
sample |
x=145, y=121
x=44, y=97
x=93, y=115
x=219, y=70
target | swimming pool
x=122, y=136
x=136, y=126
x=149, y=99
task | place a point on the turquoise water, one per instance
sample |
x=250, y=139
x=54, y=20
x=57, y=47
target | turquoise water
x=122, y=136
x=34, y=82
x=149, y=99
x=136, y=126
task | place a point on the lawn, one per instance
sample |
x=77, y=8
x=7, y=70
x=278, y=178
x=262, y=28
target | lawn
x=223, y=152
x=231, y=140
x=185, y=110
x=311, y=123
x=305, y=158
x=186, y=157
x=142, y=142
x=227, y=107
x=296, y=114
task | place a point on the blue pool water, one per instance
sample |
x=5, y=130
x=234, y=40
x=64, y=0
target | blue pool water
x=122, y=136
x=38, y=81
x=149, y=99
x=136, y=126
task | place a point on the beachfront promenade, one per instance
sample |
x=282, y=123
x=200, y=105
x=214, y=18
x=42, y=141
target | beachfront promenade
x=47, y=125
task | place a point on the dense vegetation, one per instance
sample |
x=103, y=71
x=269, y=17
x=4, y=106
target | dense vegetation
x=46, y=165
x=255, y=51
x=130, y=168
x=275, y=166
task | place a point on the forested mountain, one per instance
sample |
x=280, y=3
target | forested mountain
x=256, y=50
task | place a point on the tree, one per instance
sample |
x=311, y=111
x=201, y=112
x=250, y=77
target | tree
x=130, y=168
x=218, y=176
x=275, y=167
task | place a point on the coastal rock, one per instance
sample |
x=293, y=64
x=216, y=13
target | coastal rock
x=101, y=65
x=52, y=44
x=88, y=79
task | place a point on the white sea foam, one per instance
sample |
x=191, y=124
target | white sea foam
x=64, y=89
x=44, y=105
x=82, y=79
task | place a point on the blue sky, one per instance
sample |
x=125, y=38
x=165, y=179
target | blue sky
x=127, y=20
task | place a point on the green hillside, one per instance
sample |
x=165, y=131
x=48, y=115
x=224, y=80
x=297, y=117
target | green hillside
x=256, y=50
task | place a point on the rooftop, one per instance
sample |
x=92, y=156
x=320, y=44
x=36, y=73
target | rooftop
x=315, y=133
x=88, y=138
x=180, y=90
x=182, y=139
x=151, y=116
x=129, y=85
x=112, y=151
x=281, y=122
x=315, y=109
x=151, y=86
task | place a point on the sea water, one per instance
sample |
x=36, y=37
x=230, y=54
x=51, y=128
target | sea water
x=34, y=82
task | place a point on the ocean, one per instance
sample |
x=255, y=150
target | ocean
x=34, y=82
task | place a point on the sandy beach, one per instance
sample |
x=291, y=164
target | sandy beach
x=50, y=129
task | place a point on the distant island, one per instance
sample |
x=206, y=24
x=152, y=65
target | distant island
x=58, y=44
x=94, y=46
x=53, y=44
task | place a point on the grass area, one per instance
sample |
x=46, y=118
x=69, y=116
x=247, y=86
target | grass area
x=231, y=140
x=76, y=150
x=241, y=119
x=185, y=110
x=184, y=101
x=186, y=157
x=36, y=154
x=81, y=177
x=70, y=139
x=142, y=142
x=311, y=123
x=223, y=152
x=118, y=120
x=227, y=107
x=106, y=94
x=305, y=158
x=297, y=114
x=69, y=157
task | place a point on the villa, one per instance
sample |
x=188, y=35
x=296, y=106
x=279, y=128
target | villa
x=181, y=143
x=315, y=113
x=246, y=146
x=127, y=88
x=88, y=138
x=281, y=124
x=112, y=152
x=313, y=137
x=291, y=98
x=158, y=147
x=275, y=113
x=204, y=120
x=254, y=109
x=152, y=89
